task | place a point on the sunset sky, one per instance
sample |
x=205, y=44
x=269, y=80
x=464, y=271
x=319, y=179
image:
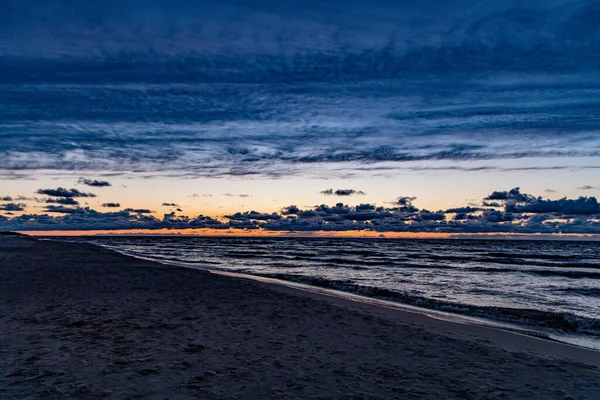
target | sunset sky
x=441, y=117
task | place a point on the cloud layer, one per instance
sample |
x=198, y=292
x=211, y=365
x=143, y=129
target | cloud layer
x=268, y=40
x=62, y=192
x=264, y=88
x=514, y=212
x=342, y=192
x=94, y=182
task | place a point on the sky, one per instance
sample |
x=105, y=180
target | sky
x=282, y=116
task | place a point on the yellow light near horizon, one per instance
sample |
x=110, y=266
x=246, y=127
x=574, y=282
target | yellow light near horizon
x=314, y=234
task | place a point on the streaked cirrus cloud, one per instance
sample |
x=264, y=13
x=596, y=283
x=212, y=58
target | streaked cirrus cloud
x=270, y=89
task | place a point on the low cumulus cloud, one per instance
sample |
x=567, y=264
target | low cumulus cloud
x=139, y=210
x=342, y=192
x=564, y=206
x=463, y=210
x=586, y=187
x=64, y=210
x=89, y=219
x=510, y=211
x=66, y=201
x=111, y=205
x=170, y=205
x=62, y=192
x=252, y=215
x=405, y=200
x=405, y=204
x=93, y=182
x=290, y=210
x=513, y=194
x=12, y=207
x=6, y=198
x=516, y=202
x=491, y=204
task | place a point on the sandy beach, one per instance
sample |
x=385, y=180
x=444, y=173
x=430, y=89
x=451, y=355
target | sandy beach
x=79, y=321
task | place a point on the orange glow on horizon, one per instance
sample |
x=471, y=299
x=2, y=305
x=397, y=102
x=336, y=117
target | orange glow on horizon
x=324, y=234
x=239, y=232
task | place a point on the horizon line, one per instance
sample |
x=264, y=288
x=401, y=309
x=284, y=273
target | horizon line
x=313, y=234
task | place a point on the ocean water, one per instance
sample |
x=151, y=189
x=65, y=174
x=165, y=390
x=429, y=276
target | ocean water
x=547, y=287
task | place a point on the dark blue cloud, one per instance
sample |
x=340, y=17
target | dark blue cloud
x=94, y=182
x=342, y=192
x=580, y=206
x=88, y=219
x=263, y=130
x=523, y=213
x=464, y=216
x=426, y=215
x=252, y=215
x=405, y=200
x=463, y=210
x=12, y=207
x=262, y=88
x=62, y=192
x=67, y=201
x=511, y=195
x=405, y=204
x=64, y=210
x=258, y=41
x=290, y=210
x=491, y=204
x=497, y=216
x=517, y=202
x=138, y=210
x=111, y=205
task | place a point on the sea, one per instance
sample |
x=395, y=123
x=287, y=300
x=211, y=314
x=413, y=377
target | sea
x=543, y=288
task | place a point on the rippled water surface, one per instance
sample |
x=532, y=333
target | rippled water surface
x=550, y=285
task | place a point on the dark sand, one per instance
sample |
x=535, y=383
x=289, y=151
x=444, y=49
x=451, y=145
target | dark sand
x=81, y=322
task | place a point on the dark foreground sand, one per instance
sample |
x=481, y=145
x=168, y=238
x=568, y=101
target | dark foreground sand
x=81, y=322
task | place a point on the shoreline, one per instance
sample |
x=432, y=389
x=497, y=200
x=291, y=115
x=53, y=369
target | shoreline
x=79, y=319
x=459, y=327
x=420, y=315
x=578, y=341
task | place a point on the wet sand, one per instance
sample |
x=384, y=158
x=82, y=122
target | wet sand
x=79, y=321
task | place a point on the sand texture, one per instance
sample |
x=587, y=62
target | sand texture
x=81, y=322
